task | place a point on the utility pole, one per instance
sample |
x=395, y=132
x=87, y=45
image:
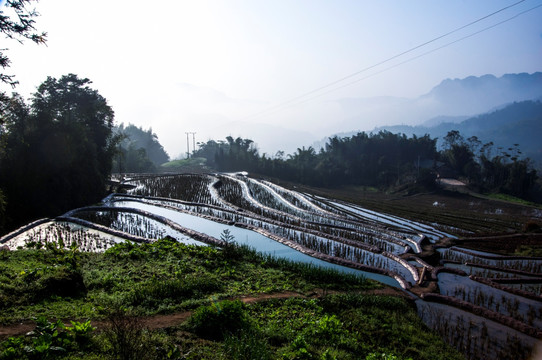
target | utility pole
x=188, y=133
x=193, y=141
x=187, y=145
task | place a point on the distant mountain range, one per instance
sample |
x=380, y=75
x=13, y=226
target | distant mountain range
x=505, y=110
x=457, y=98
x=474, y=95
x=450, y=103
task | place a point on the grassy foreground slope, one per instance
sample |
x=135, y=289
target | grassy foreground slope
x=196, y=293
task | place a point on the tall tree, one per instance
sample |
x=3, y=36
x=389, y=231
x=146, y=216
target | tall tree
x=17, y=23
x=58, y=150
x=459, y=155
x=69, y=102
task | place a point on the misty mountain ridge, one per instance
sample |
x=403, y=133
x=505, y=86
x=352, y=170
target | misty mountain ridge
x=476, y=94
x=450, y=102
x=444, y=119
x=464, y=98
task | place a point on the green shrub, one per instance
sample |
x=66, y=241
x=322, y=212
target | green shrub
x=328, y=330
x=125, y=335
x=81, y=332
x=63, y=282
x=125, y=249
x=47, y=340
x=12, y=348
x=298, y=350
x=39, y=282
x=219, y=319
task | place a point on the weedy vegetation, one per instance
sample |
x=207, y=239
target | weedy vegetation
x=97, y=306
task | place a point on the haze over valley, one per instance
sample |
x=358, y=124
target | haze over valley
x=451, y=101
x=283, y=74
x=504, y=110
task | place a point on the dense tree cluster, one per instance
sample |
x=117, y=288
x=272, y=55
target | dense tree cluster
x=16, y=23
x=56, y=153
x=504, y=172
x=383, y=160
x=138, y=150
x=364, y=159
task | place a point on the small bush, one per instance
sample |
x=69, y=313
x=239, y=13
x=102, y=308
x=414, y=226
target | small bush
x=47, y=340
x=81, y=332
x=219, y=319
x=38, y=283
x=12, y=348
x=299, y=350
x=125, y=335
x=328, y=330
x=62, y=282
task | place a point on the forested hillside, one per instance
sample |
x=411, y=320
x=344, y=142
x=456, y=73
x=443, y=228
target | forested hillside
x=138, y=150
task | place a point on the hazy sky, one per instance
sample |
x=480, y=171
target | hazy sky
x=199, y=65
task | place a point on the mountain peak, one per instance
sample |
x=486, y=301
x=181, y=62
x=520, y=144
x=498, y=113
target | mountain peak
x=475, y=94
x=509, y=82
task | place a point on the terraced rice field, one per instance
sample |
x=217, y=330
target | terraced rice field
x=483, y=303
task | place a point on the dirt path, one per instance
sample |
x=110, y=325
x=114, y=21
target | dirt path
x=16, y=329
x=169, y=320
x=158, y=321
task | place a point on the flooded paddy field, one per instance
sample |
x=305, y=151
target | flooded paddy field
x=481, y=302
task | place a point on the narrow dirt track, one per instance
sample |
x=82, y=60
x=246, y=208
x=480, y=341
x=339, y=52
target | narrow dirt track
x=169, y=320
x=149, y=322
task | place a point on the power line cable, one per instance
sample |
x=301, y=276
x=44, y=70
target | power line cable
x=416, y=57
x=294, y=100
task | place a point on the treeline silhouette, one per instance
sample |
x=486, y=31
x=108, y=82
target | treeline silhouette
x=518, y=122
x=381, y=159
x=55, y=153
x=490, y=170
x=384, y=160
